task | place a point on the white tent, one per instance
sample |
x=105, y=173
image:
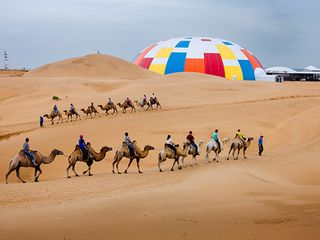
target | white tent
x=312, y=69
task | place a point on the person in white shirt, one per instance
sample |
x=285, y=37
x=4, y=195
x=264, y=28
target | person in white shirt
x=171, y=145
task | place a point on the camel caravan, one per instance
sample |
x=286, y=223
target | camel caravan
x=84, y=152
x=92, y=110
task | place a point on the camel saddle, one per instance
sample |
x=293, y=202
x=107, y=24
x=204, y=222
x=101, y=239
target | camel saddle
x=21, y=153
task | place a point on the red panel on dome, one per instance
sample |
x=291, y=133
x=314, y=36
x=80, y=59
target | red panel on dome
x=146, y=62
x=253, y=60
x=194, y=65
x=140, y=57
x=214, y=64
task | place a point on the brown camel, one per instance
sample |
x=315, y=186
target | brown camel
x=154, y=102
x=124, y=152
x=108, y=107
x=70, y=113
x=20, y=160
x=77, y=155
x=239, y=144
x=126, y=105
x=53, y=115
x=167, y=152
x=193, y=153
x=89, y=111
x=142, y=104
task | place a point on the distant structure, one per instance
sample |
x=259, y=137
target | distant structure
x=5, y=60
x=309, y=73
x=205, y=55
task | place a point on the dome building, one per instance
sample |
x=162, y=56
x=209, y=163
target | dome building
x=203, y=55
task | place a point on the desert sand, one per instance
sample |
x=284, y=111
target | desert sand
x=275, y=196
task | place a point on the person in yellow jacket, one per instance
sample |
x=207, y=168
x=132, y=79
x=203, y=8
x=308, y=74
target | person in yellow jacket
x=240, y=135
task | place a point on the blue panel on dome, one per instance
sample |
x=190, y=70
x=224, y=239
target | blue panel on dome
x=183, y=44
x=176, y=62
x=188, y=38
x=227, y=43
x=247, y=70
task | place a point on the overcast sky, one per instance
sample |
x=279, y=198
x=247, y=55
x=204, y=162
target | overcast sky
x=36, y=32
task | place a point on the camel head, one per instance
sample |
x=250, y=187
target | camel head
x=250, y=139
x=148, y=147
x=106, y=149
x=225, y=140
x=82, y=109
x=46, y=115
x=56, y=152
x=100, y=106
x=119, y=104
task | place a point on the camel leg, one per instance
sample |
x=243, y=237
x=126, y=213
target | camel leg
x=238, y=154
x=18, y=174
x=206, y=158
x=117, y=166
x=130, y=161
x=73, y=166
x=68, y=176
x=7, y=175
x=138, y=165
x=114, y=162
x=159, y=162
x=37, y=177
x=174, y=163
x=244, y=153
x=229, y=153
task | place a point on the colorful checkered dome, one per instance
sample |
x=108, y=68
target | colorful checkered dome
x=200, y=54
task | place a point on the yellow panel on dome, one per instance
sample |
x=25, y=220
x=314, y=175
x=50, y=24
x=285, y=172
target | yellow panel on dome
x=158, y=68
x=164, y=53
x=233, y=72
x=225, y=52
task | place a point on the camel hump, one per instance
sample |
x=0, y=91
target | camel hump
x=76, y=147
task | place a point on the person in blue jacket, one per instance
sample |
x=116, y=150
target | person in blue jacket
x=83, y=147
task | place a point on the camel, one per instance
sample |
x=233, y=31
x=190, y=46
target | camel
x=166, y=152
x=70, y=114
x=154, y=102
x=192, y=152
x=239, y=144
x=20, y=160
x=126, y=105
x=89, y=111
x=124, y=152
x=77, y=155
x=142, y=104
x=213, y=146
x=53, y=115
x=108, y=107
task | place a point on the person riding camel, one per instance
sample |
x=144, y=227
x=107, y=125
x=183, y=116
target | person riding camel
x=72, y=109
x=145, y=99
x=130, y=145
x=27, y=152
x=169, y=143
x=110, y=103
x=215, y=137
x=55, y=109
x=128, y=101
x=153, y=98
x=92, y=107
x=83, y=147
x=240, y=135
x=190, y=138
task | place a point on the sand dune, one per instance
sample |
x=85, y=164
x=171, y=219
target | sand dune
x=274, y=196
x=93, y=66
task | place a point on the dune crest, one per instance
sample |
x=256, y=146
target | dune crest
x=93, y=66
